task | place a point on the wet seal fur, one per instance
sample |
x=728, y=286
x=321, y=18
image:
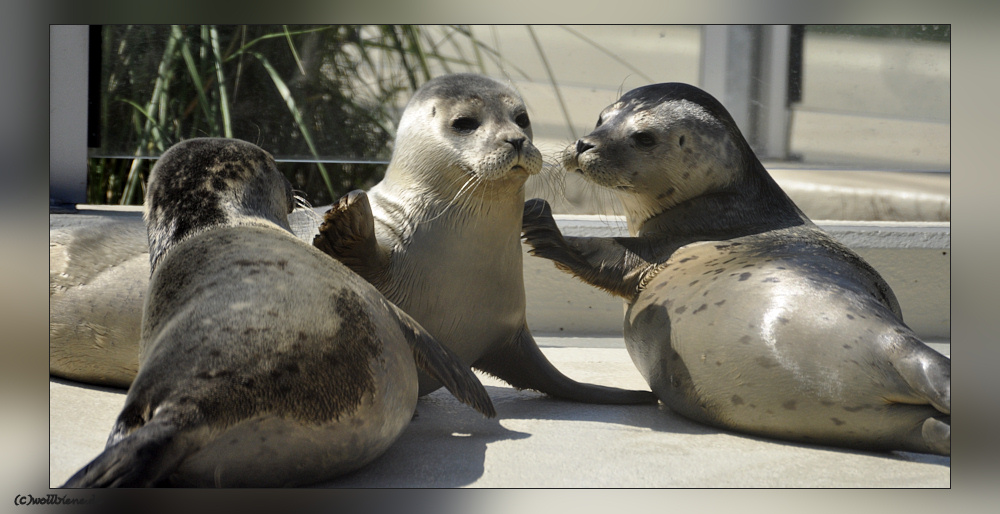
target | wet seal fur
x=740, y=312
x=263, y=362
x=440, y=234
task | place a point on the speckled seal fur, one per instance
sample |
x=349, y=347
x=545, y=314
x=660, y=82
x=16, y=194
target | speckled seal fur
x=262, y=361
x=440, y=234
x=740, y=312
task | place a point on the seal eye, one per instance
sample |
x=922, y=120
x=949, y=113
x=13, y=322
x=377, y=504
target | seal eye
x=465, y=124
x=600, y=120
x=522, y=120
x=643, y=139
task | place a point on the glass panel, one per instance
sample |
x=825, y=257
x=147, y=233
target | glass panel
x=875, y=97
x=318, y=97
x=324, y=99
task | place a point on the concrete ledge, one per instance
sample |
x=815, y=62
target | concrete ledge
x=913, y=257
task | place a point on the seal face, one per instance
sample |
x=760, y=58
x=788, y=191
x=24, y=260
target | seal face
x=440, y=234
x=740, y=312
x=262, y=361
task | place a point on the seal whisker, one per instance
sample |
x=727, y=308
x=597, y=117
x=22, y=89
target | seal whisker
x=303, y=205
x=464, y=190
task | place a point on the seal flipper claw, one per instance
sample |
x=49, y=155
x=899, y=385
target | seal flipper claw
x=444, y=366
x=348, y=235
x=522, y=364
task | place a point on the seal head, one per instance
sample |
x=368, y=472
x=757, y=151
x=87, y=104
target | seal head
x=208, y=182
x=668, y=146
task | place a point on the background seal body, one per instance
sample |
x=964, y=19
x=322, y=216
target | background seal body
x=262, y=362
x=740, y=312
x=440, y=234
x=98, y=277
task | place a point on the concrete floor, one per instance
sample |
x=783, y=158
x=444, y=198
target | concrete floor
x=537, y=442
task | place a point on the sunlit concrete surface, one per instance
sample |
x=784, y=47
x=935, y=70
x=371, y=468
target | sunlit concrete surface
x=540, y=442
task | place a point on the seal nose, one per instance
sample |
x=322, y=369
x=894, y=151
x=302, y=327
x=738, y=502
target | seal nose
x=517, y=143
x=582, y=146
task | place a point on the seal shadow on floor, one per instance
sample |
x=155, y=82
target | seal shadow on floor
x=443, y=447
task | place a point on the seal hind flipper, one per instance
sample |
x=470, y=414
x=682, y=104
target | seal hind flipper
x=927, y=372
x=144, y=458
x=443, y=365
x=520, y=363
x=348, y=235
x=936, y=435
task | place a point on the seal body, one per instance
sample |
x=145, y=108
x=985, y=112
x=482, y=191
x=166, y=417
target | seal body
x=740, y=312
x=98, y=277
x=440, y=234
x=262, y=362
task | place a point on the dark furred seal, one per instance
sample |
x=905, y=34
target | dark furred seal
x=440, y=234
x=741, y=313
x=262, y=361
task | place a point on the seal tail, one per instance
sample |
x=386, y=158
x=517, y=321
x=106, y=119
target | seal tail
x=444, y=366
x=144, y=458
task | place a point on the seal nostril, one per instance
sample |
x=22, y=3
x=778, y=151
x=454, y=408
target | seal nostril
x=582, y=146
x=517, y=143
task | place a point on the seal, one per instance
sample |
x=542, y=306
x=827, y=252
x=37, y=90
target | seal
x=98, y=276
x=439, y=236
x=262, y=362
x=740, y=312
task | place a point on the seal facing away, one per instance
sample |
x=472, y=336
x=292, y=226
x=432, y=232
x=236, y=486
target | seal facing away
x=740, y=312
x=262, y=362
x=439, y=236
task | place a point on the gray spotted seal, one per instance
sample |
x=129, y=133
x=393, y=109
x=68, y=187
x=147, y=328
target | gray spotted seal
x=262, y=362
x=439, y=236
x=740, y=312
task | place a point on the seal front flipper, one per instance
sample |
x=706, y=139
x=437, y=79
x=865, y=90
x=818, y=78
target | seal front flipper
x=539, y=230
x=520, y=363
x=444, y=366
x=616, y=265
x=348, y=235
